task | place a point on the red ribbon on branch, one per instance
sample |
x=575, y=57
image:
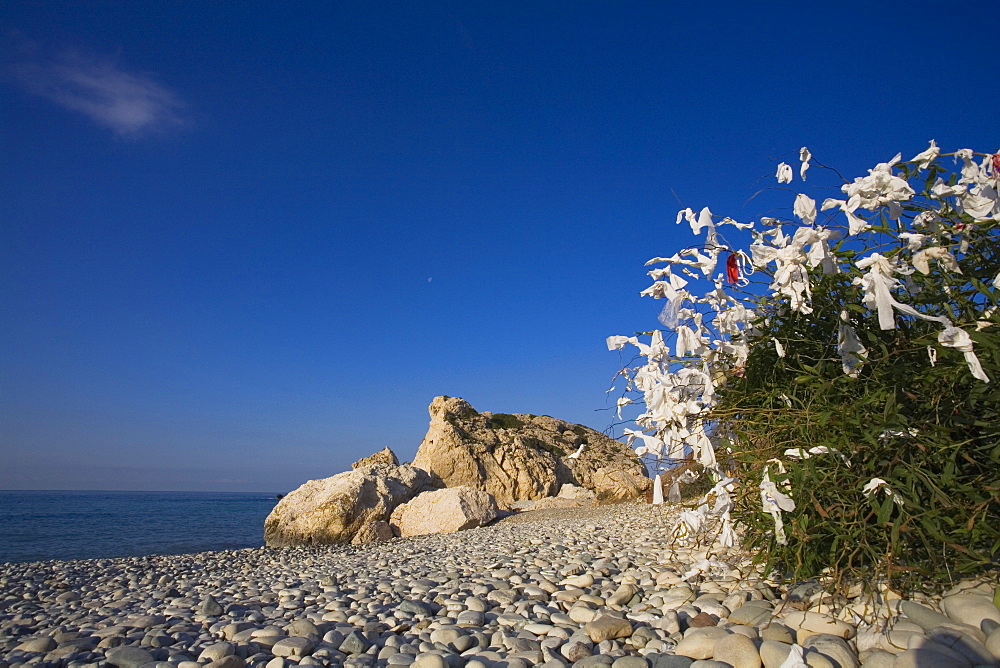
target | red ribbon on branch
x=732, y=268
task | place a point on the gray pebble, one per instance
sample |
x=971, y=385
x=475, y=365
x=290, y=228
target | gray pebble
x=210, y=607
x=128, y=657
x=630, y=662
x=669, y=661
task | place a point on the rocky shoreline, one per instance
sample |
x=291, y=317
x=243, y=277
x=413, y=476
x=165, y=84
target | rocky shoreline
x=580, y=587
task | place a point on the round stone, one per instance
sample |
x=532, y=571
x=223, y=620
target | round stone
x=39, y=645
x=833, y=647
x=293, y=646
x=429, y=660
x=630, y=662
x=699, y=643
x=806, y=624
x=993, y=642
x=582, y=581
x=737, y=650
x=471, y=618
x=127, y=656
x=970, y=608
x=445, y=635
x=216, y=651
x=623, y=595
x=773, y=653
x=607, y=627
x=922, y=615
x=753, y=613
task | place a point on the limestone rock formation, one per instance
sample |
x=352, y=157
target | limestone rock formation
x=353, y=506
x=383, y=460
x=516, y=457
x=445, y=511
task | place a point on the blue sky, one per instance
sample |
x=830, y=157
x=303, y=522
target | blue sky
x=244, y=244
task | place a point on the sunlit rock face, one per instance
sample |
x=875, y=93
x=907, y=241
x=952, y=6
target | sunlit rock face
x=508, y=458
x=350, y=507
x=517, y=457
x=444, y=511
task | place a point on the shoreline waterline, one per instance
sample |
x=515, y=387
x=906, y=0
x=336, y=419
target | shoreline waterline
x=91, y=524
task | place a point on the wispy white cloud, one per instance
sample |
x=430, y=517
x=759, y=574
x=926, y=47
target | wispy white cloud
x=129, y=103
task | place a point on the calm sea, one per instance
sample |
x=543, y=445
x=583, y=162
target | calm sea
x=89, y=525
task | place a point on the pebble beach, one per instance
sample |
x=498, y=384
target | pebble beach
x=570, y=587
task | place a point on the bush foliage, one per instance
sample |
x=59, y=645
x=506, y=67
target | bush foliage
x=879, y=431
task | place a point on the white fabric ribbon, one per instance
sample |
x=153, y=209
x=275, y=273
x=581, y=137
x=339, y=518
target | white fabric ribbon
x=955, y=337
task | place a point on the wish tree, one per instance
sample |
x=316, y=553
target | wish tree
x=835, y=375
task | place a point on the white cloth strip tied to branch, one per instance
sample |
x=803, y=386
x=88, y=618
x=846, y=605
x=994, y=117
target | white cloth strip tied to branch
x=877, y=285
x=805, y=209
x=927, y=156
x=713, y=333
x=805, y=156
x=774, y=503
x=784, y=173
x=674, y=493
x=955, y=337
x=876, y=484
x=855, y=224
x=852, y=352
x=921, y=260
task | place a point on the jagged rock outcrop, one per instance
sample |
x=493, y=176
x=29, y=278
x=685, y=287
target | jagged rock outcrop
x=382, y=461
x=350, y=507
x=516, y=457
x=444, y=511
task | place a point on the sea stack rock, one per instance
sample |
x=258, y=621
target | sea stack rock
x=350, y=507
x=518, y=457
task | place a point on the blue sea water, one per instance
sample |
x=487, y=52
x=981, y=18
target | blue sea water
x=37, y=525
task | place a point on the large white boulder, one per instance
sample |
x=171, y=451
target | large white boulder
x=353, y=506
x=445, y=511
